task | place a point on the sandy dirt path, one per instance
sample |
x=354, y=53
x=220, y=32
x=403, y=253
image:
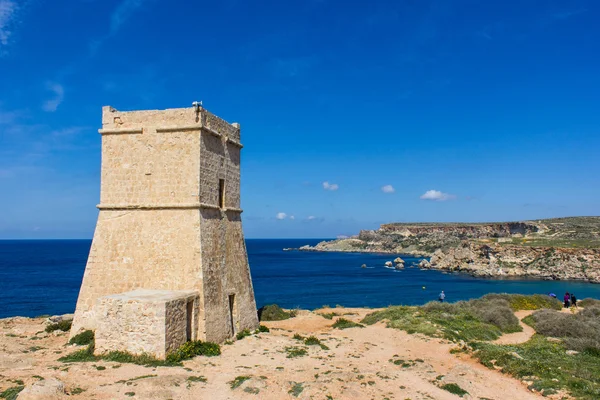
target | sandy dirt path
x=374, y=362
x=518, y=337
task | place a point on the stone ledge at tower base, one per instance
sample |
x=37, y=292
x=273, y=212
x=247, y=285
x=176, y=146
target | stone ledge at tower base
x=153, y=322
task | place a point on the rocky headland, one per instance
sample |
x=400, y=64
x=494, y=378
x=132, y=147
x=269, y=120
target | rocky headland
x=561, y=248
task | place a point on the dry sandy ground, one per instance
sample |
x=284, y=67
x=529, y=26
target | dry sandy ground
x=358, y=365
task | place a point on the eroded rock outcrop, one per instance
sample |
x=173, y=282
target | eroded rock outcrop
x=561, y=248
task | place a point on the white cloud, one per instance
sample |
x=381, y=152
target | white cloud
x=387, y=189
x=122, y=13
x=118, y=18
x=436, y=195
x=8, y=11
x=330, y=186
x=59, y=94
x=311, y=217
x=292, y=217
x=281, y=215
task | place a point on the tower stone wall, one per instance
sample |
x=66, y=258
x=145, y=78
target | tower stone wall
x=170, y=217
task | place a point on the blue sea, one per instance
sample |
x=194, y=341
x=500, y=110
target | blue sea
x=43, y=277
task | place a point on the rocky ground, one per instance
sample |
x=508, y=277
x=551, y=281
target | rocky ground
x=373, y=362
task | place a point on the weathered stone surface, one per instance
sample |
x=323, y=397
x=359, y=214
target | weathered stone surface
x=47, y=389
x=153, y=322
x=165, y=223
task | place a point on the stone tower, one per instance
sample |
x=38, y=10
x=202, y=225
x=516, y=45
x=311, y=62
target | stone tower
x=170, y=219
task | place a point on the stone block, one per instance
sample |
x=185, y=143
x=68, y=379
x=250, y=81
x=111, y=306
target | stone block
x=153, y=322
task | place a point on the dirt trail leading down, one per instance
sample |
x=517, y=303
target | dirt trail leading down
x=374, y=362
x=518, y=337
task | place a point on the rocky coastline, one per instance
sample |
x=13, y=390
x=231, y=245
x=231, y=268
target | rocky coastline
x=555, y=249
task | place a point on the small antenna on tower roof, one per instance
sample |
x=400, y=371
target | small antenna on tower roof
x=197, y=105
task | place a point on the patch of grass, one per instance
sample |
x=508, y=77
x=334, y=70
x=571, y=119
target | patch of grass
x=454, y=389
x=547, y=365
x=343, y=323
x=297, y=336
x=243, y=334
x=41, y=378
x=77, y=390
x=100, y=367
x=262, y=328
x=83, y=338
x=82, y=355
x=296, y=389
x=59, y=326
x=251, y=390
x=192, y=349
x=185, y=352
x=329, y=315
x=293, y=352
x=314, y=341
x=130, y=394
x=237, y=382
x=196, y=379
x=273, y=312
x=12, y=392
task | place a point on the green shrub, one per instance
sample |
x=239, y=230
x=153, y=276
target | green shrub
x=263, y=328
x=588, y=302
x=329, y=315
x=296, y=389
x=192, y=349
x=237, y=382
x=454, y=389
x=83, y=338
x=580, y=332
x=196, y=379
x=273, y=313
x=293, y=352
x=312, y=341
x=59, y=326
x=297, y=336
x=343, y=323
x=497, y=313
x=12, y=392
x=243, y=334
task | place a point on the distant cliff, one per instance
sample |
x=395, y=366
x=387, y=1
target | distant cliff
x=562, y=248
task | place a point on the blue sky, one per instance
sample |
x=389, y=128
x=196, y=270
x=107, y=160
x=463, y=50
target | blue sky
x=353, y=113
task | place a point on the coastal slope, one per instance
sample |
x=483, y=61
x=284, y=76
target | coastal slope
x=561, y=248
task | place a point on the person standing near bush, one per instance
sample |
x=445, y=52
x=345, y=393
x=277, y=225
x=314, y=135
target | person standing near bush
x=567, y=299
x=573, y=300
x=442, y=296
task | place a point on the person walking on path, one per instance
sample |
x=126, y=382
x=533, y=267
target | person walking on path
x=573, y=300
x=442, y=297
x=567, y=299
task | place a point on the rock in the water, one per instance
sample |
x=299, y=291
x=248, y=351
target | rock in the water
x=48, y=389
x=388, y=263
x=399, y=261
x=364, y=266
x=399, y=266
x=424, y=264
